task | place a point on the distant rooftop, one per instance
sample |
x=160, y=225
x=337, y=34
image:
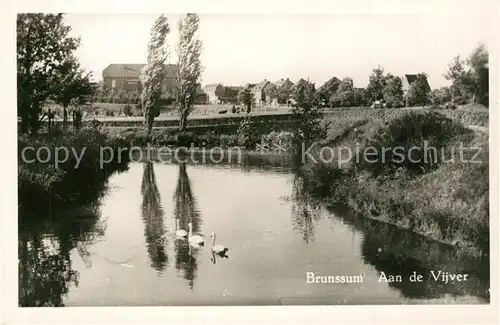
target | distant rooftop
x=133, y=70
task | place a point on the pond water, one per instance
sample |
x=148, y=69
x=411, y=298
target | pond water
x=123, y=250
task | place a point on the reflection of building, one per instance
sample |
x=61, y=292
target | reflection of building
x=126, y=77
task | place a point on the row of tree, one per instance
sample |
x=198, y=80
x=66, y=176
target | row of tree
x=469, y=84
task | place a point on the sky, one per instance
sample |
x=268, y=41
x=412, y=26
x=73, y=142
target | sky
x=238, y=49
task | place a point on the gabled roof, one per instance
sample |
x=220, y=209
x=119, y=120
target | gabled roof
x=233, y=87
x=132, y=70
x=281, y=82
x=200, y=91
x=261, y=85
x=412, y=77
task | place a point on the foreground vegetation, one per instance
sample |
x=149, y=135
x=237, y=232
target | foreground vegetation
x=444, y=201
x=62, y=185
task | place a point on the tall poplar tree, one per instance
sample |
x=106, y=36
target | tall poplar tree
x=190, y=68
x=153, y=74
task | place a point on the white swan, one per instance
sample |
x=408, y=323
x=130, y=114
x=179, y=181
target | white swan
x=194, y=240
x=218, y=249
x=180, y=232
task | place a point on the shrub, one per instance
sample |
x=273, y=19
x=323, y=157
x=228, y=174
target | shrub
x=247, y=134
x=227, y=141
x=165, y=100
x=409, y=131
x=284, y=139
x=77, y=119
x=127, y=110
x=185, y=139
x=450, y=105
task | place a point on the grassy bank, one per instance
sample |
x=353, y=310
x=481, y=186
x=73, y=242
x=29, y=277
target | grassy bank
x=445, y=201
x=44, y=185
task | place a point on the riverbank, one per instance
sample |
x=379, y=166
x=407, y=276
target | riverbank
x=444, y=201
x=56, y=184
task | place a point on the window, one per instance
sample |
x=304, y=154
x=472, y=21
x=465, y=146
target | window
x=113, y=83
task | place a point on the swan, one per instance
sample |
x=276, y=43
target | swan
x=195, y=240
x=218, y=249
x=181, y=232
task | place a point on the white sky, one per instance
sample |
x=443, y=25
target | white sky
x=249, y=48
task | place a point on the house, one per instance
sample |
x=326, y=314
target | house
x=282, y=82
x=201, y=96
x=231, y=94
x=214, y=91
x=260, y=92
x=126, y=77
x=408, y=79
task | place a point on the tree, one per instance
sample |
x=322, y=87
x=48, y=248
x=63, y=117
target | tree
x=440, y=96
x=327, y=90
x=307, y=114
x=272, y=92
x=75, y=86
x=284, y=92
x=463, y=82
x=153, y=74
x=376, y=84
x=246, y=97
x=190, y=68
x=43, y=46
x=478, y=61
x=418, y=92
x=344, y=94
x=393, y=91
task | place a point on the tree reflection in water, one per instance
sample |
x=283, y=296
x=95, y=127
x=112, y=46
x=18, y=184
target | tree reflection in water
x=186, y=211
x=305, y=211
x=152, y=215
x=45, y=268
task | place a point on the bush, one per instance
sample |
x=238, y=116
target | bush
x=450, y=105
x=247, y=134
x=77, y=119
x=166, y=100
x=410, y=131
x=227, y=141
x=127, y=110
x=64, y=179
x=185, y=139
